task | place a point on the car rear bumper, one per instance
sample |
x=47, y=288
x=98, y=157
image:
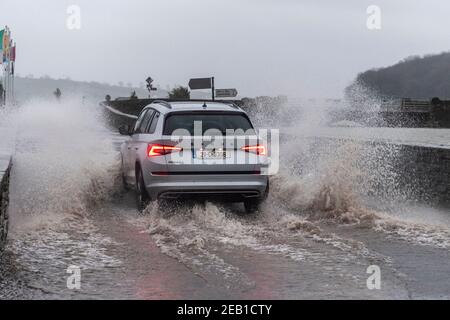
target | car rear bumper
x=232, y=187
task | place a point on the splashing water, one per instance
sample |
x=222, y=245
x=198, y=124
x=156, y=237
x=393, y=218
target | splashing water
x=64, y=168
x=331, y=179
x=64, y=160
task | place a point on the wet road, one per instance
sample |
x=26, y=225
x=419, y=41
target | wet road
x=208, y=251
x=314, y=238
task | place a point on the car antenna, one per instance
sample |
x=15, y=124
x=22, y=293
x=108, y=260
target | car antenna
x=204, y=105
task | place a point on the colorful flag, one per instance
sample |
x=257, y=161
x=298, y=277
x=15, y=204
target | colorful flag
x=2, y=34
x=8, y=50
x=5, y=39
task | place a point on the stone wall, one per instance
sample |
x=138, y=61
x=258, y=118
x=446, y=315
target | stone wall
x=392, y=172
x=5, y=169
x=426, y=170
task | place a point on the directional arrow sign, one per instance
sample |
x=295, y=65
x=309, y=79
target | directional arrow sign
x=200, y=83
x=226, y=93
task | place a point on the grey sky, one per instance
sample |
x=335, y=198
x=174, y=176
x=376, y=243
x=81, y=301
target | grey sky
x=302, y=48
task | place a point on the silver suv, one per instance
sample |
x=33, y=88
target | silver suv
x=195, y=149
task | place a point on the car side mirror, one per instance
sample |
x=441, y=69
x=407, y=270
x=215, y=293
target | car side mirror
x=125, y=130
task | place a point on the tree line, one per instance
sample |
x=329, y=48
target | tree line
x=415, y=77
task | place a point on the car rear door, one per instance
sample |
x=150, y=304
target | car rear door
x=135, y=142
x=206, y=150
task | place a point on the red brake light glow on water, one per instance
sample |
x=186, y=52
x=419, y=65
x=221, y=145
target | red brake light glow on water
x=259, y=149
x=154, y=150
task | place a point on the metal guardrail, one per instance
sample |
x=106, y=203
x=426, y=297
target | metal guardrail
x=130, y=116
x=416, y=105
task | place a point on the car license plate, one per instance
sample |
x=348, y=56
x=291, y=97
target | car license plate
x=211, y=154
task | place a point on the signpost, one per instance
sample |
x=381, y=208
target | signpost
x=226, y=93
x=203, y=83
x=150, y=87
x=208, y=83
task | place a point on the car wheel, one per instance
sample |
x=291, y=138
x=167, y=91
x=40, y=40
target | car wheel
x=252, y=205
x=142, y=197
x=125, y=185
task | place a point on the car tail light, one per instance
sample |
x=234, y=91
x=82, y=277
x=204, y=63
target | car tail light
x=259, y=149
x=154, y=150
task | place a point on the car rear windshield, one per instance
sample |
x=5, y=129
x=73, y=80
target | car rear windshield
x=221, y=122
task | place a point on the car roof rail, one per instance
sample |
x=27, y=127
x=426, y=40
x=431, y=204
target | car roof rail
x=164, y=103
x=233, y=105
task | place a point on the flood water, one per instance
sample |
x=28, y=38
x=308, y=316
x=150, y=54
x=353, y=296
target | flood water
x=315, y=237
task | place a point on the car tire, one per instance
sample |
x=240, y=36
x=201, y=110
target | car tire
x=142, y=197
x=125, y=185
x=252, y=205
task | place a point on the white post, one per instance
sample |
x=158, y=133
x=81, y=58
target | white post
x=10, y=83
x=5, y=85
x=12, y=88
